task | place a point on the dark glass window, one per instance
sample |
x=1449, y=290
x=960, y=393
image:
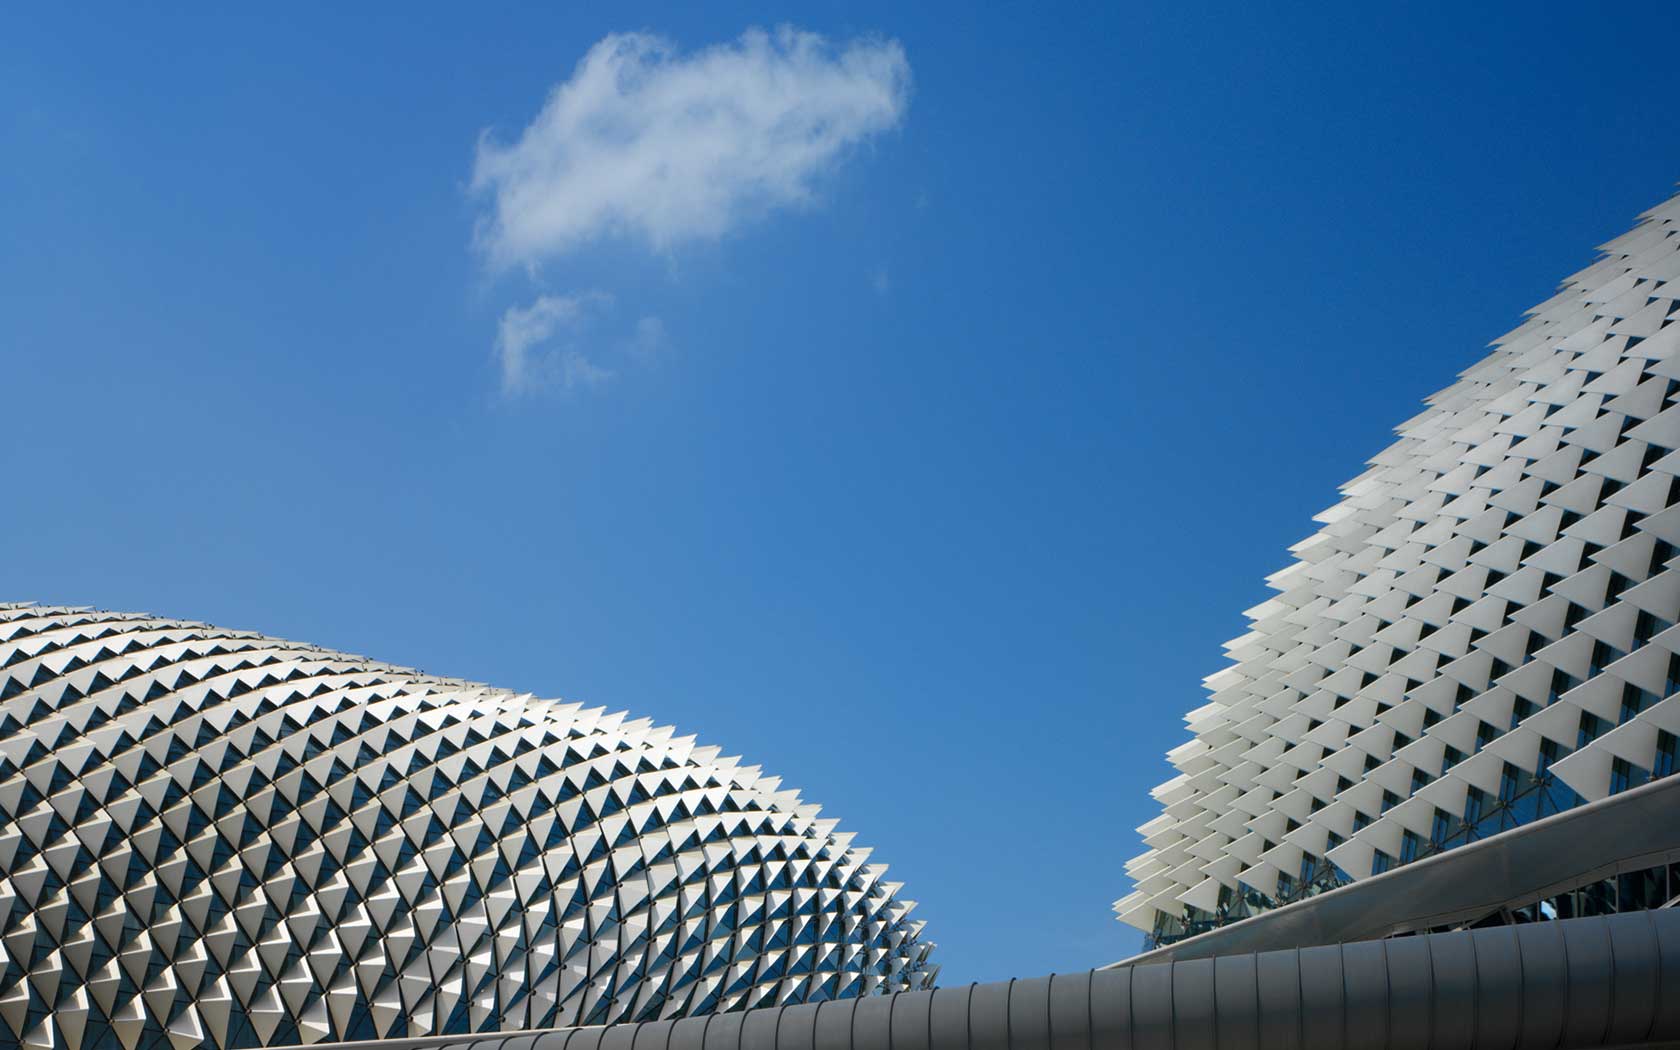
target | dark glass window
x=1508, y=782
x=1548, y=755
x=1638, y=890
x=1592, y=727
x=1662, y=552
x=1666, y=747
x=1409, y=843
x=1635, y=700
x=1624, y=775
x=1598, y=898
x=1475, y=802
x=1521, y=710
x=1485, y=734
x=1561, y=683
x=1603, y=654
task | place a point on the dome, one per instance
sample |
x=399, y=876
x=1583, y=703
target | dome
x=214, y=838
x=1481, y=633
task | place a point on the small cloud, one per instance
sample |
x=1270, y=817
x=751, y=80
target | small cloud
x=577, y=370
x=523, y=345
x=880, y=280
x=647, y=143
x=648, y=338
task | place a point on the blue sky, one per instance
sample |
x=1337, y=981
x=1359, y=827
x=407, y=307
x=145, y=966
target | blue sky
x=925, y=456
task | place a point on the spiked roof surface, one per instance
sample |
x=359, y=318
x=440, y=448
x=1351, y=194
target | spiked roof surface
x=1490, y=606
x=214, y=838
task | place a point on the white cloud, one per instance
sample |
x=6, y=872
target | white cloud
x=529, y=362
x=647, y=143
x=578, y=370
x=648, y=337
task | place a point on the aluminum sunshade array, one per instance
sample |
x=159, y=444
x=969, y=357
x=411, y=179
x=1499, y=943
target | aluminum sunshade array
x=213, y=838
x=1490, y=567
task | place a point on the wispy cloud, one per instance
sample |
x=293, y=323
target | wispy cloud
x=533, y=345
x=648, y=337
x=577, y=370
x=647, y=143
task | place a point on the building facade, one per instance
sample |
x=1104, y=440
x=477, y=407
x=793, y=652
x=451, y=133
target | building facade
x=1481, y=634
x=210, y=838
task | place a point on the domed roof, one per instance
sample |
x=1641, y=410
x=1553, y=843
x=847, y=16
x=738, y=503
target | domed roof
x=213, y=838
x=1482, y=632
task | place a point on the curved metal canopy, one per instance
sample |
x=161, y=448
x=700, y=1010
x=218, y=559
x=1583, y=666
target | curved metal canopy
x=1606, y=981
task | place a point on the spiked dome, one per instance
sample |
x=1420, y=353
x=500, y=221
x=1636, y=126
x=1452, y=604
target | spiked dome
x=1481, y=632
x=213, y=838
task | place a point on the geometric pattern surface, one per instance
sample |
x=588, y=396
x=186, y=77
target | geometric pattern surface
x=1481, y=632
x=214, y=838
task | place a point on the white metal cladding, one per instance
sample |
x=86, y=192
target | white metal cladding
x=213, y=838
x=1502, y=570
